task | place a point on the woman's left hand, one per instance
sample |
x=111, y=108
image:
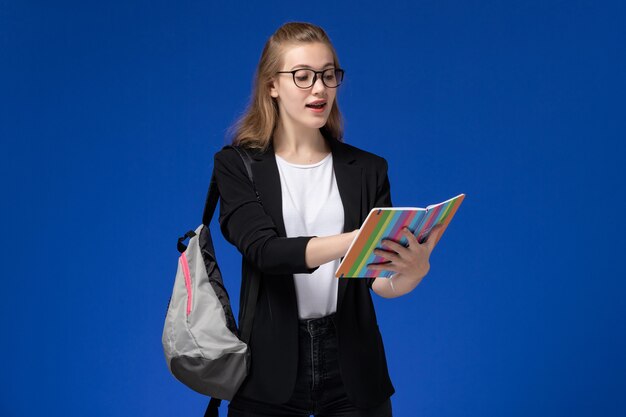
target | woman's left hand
x=413, y=261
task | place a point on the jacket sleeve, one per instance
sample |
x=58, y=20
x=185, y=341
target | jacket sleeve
x=245, y=224
x=383, y=196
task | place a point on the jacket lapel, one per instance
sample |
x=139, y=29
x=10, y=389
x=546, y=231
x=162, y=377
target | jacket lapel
x=267, y=181
x=349, y=179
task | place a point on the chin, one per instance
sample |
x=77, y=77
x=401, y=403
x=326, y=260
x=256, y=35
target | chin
x=316, y=124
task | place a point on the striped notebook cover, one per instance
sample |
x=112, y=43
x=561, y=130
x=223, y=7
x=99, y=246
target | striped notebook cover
x=387, y=223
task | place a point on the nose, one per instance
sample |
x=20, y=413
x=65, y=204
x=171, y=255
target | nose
x=318, y=85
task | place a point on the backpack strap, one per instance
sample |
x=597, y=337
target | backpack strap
x=213, y=195
x=245, y=326
x=180, y=245
x=212, y=409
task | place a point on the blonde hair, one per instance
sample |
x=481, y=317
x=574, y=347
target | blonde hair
x=254, y=129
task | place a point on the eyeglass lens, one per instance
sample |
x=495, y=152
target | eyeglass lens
x=331, y=77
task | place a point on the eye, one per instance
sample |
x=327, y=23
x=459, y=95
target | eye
x=303, y=75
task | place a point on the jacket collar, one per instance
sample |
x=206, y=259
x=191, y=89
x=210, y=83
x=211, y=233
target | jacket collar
x=342, y=153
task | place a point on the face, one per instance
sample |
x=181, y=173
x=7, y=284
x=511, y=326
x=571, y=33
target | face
x=292, y=100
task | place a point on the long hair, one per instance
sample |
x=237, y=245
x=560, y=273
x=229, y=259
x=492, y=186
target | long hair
x=254, y=129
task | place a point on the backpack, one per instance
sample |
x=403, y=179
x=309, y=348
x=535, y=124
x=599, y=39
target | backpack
x=202, y=345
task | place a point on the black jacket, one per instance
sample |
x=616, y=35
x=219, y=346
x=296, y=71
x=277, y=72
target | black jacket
x=258, y=232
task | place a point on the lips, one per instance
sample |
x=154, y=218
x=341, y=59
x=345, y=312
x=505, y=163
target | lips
x=318, y=104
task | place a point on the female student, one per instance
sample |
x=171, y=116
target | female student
x=315, y=344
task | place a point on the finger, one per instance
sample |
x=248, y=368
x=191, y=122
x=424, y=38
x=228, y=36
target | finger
x=386, y=254
x=390, y=244
x=410, y=236
x=434, y=235
x=387, y=266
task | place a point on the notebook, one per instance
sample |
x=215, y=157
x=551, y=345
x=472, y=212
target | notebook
x=387, y=223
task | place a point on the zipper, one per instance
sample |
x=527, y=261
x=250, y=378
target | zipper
x=183, y=261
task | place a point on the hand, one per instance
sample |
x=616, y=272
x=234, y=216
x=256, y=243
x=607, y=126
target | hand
x=412, y=261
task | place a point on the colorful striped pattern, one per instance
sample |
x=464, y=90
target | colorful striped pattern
x=387, y=223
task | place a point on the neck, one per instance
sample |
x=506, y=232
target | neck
x=288, y=140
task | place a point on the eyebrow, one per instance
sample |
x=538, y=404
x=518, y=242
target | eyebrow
x=329, y=64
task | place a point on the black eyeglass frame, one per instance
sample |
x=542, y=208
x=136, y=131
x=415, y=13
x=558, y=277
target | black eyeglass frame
x=293, y=74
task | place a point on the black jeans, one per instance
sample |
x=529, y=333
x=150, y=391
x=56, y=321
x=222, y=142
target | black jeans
x=319, y=389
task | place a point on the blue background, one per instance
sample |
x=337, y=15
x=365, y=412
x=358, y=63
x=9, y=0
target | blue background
x=111, y=113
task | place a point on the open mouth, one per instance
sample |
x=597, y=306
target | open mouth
x=316, y=106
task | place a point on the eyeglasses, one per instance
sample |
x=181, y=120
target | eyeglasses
x=305, y=78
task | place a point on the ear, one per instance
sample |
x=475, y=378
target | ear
x=272, y=87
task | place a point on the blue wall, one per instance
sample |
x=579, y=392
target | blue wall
x=111, y=113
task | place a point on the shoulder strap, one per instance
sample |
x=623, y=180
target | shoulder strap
x=212, y=408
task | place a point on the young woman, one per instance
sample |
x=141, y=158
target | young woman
x=315, y=343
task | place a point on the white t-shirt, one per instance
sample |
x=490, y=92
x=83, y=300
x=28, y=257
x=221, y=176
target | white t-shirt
x=312, y=207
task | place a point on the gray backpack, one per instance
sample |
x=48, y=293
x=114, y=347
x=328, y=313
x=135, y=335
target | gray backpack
x=202, y=346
